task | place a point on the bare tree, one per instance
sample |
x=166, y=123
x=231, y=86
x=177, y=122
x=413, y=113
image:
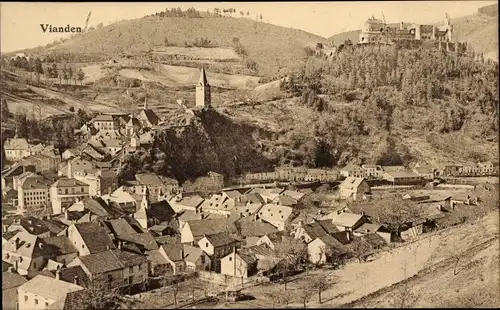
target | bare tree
x=292, y=253
x=320, y=283
x=305, y=293
x=404, y=297
x=98, y=296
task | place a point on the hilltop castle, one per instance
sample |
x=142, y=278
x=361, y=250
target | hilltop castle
x=377, y=31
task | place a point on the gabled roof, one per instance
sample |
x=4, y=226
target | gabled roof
x=149, y=179
x=333, y=244
x=255, y=228
x=368, y=228
x=232, y=194
x=49, y=288
x=161, y=211
x=286, y=200
x=191, y=201
x=247, y=257
x=351, y=183
x=103, y=118
x=16, y=144
x=151, y=116
x=94, y=236
x=68, y=274
x=174, y=251
x=145, y=240
x=59, y=245
x=34, y=183
x=294, y=194
x=192, y=254
x=67, y=182
x=209, y=226
x=11, y=280
x=120, y=227
x=273, y=212
x=262, y=250
x=106, y=261
x=221, y=239
x=346, y=219
x=156, y=258
x=253, y=198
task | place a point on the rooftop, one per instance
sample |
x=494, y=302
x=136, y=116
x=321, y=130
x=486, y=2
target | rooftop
x=49, y=288
x=106, y=261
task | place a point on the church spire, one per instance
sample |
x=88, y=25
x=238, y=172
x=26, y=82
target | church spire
x=203, y=77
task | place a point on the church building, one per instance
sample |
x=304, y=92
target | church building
x=203, y=96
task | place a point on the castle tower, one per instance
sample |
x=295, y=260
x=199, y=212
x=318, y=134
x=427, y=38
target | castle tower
x=203, y=96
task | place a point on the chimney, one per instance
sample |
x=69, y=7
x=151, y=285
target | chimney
x=58, y=274
x=182, y=253
x=75, y=280
x=66, y=214
x=119, y=245
x=348, y=235
x=16, y=265
x=363, y=213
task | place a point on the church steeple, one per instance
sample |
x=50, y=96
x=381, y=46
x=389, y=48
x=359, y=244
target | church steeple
x=203, y=78
x=203, y=96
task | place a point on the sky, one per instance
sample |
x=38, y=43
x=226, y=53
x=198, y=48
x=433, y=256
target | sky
x=20, y=21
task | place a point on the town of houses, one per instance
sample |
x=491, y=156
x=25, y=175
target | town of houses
x=91, y=229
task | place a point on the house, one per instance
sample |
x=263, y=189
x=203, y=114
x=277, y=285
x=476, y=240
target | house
x=393, y=168
x=74, y=165
x=353, y=188
x=293, y=194
x=16, y=169
x=278, y=216
x=191, y=203
x=157, y=185
x=404, y=177
x=60, y=249
x=142, y=242
x=452, y=169
x=114, y=268
x=217, y=246
x=426, y=172
x=65, y=191
x=193, y=231
x=270, y=240
x=89, y=238
x=486, y=168
x=372, y=171
x=284, y=200
x=309, y=232
x=174, y=254
x=16, y=149
x=9, y=194
x=122, y=198
x=291, y=173
x=26, y=253
x=325, y=248
x=250, y=228
x=74, y=274
x=345, y=221
x=239, y=265
x=415, y=197
x=97, y=208
x=33, y=193
x=148, y=117
x=105, y=122
x=11, y=280
x=42, y=291
x=372, y=228
x=196, y=259
x=18, y=180
x=352, y=171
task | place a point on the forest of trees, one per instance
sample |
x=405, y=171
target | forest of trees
x=66, y=73
x=60, y=132
x=390, y=91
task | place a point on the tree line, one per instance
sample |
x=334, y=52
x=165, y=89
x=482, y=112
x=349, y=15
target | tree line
x=34, y=64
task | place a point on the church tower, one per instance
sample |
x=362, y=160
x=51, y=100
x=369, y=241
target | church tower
x=203, y=96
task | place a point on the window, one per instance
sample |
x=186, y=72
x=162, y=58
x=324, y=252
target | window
x=130, y=269
x=206, y=245
x=46, y=304
x=25, y=297
x=130, y=280
x=66, y=191
x=230, y=258
x=202, y=259
x=36, y=301
x=83, y=246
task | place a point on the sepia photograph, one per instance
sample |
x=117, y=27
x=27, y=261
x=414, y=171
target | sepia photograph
x=211, y=155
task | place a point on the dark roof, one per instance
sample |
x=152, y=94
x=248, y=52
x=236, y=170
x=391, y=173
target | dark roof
x=247, y=257
x=328, y=226
x=59, y=245
x=255, y=228
x=99, y=207
x=146, y=240
x=314, y=230
x=167, y=239
x=6, y=266
x=67, y=182
x=221, y=239
x=55, y=226
x=174, y=251
x=151, y=116
x=111, y=260
x=120, y=227
x=209, y=226
x=191, y=253
x=375, y=240
x=161, y=211
x=68, y=274
x=11, y=280
x=333, y=244
x=9, y=234
x=33, y=225
x=95, y=237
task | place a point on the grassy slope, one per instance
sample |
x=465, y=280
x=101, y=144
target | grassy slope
x=271, y=46
x=480, y=30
